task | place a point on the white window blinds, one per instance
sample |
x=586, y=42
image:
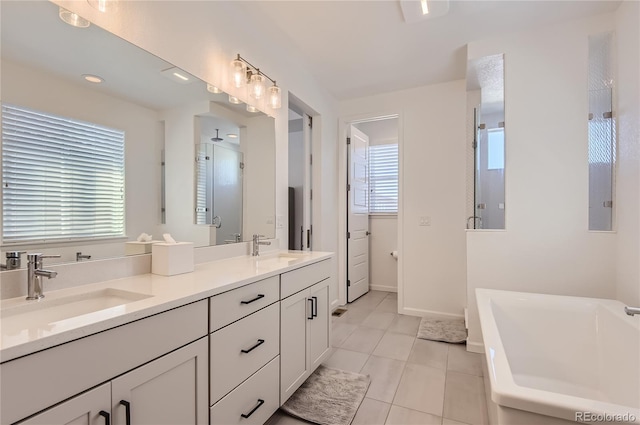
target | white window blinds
x=62, y=179
x=383, y=178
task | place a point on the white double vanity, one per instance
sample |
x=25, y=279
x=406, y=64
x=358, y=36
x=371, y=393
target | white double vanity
x=226, y=344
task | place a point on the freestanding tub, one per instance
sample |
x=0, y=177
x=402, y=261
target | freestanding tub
x=557, y=359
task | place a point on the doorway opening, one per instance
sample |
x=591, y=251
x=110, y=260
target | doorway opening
x=372, y=206
x=300, y=196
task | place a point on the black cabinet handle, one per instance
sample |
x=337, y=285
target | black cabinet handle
x=260, y=342
x=311, y=301
x=255, y=299
x=106, y=416
x=127, y=411
x=314, y=307
x=246, y=415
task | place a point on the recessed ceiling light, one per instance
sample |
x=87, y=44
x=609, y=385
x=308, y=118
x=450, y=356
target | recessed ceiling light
x=93, y=78
x=178, y=75
x=232, y=136
x=425, y=7
x=72, y=19
x=415, y=11
x=234, y=100
x=251, y=108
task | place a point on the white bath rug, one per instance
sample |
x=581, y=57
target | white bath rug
x=446, y=330
x=328, y=397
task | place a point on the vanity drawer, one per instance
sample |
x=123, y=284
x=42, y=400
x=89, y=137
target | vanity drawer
x=233, y=305
x=229, y=366
x=299, y=279
x=258, y=398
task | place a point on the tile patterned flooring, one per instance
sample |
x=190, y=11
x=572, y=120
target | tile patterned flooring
x=413, y=381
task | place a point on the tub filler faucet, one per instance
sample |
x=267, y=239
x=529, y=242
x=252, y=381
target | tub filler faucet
x=632, y=310
x=35, y=274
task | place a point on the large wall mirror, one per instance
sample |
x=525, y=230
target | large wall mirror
x=486, y=152
x=138, y=139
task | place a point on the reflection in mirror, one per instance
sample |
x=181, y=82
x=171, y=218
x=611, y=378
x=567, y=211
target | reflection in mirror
x=148, y=100
x=486, y=152
x=219, y=165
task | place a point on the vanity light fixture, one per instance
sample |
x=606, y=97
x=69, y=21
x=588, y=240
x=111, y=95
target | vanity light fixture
x=93, y=78
x=213, y=89
x=73, y=19
x=104, y=6
x=242, y=73
x=234, y=100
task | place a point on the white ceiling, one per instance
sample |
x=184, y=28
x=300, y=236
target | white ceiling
x=360, y=48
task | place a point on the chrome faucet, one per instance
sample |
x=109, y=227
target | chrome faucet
x=13, y=260
x=632, y=310
x=35, y=273
x=256, y=244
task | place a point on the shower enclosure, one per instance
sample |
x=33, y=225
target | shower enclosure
x=486, y=191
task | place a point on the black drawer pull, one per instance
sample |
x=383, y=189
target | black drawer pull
x=255, y=299
x=310, y=317
x=127, y=407
x=106, y=416
x=314, y=307
x=260, y=342
x=246, y=415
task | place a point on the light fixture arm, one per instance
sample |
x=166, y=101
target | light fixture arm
x=255, y=69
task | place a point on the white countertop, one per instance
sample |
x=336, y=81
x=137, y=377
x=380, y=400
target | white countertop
x=165, y=292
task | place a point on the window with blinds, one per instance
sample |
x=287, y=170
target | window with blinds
x=383, y=178
x=62, y=179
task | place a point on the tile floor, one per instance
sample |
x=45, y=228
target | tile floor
x=413, y=381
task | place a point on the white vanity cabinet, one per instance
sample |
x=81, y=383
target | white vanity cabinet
x=304, y=324
x=165, y=391
x=244, y=348
x=153, y=364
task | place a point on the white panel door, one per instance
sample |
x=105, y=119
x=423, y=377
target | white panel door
x=170, y=390
x=358, y=216
x=90, y=408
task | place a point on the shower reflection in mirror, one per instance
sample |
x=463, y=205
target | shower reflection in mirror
x=219, y=172
x=486, y=151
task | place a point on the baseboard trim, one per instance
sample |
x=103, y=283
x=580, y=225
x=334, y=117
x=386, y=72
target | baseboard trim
x=383, y=288
x=334, y=304
x=419, y=312
x=475, y=347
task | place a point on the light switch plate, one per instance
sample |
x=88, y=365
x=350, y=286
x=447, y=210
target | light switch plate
x=425, y=221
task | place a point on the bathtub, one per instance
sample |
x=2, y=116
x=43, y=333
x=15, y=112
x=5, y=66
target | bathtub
x=556, y=359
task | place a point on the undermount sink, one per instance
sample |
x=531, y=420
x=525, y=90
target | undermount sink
x=282, y=258
x=55, y=309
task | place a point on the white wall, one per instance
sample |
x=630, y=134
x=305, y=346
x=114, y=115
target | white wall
x=546, y=246
x=431, y=274
x=25, y=86
x=201, y=38
x=628, y=177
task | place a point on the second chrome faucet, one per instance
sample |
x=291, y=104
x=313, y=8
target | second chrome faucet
x=35, y=274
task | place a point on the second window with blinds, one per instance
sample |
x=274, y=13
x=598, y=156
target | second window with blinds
x=383, y=178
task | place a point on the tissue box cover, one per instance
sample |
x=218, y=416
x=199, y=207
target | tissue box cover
x=168, y=259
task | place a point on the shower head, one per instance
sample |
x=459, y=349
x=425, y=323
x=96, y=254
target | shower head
x=217, y=139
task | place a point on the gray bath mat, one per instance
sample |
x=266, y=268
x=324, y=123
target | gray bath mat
x=447, y=330
x=328, y=397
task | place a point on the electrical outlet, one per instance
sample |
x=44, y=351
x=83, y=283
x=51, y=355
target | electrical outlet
x=425, y=221
x=279, y=222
